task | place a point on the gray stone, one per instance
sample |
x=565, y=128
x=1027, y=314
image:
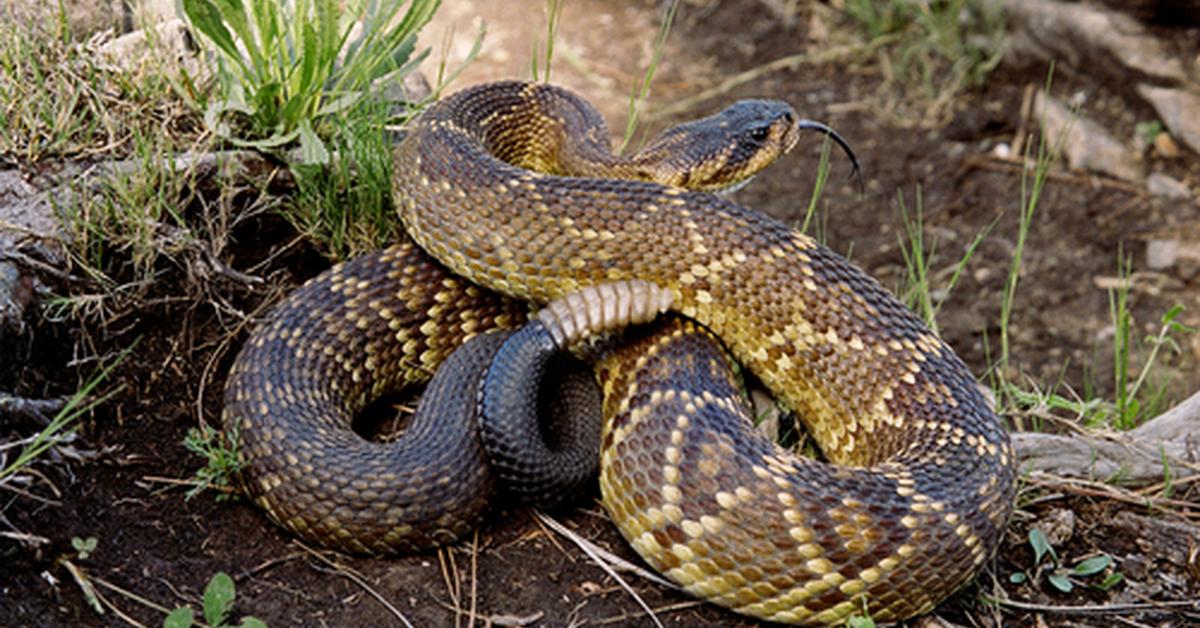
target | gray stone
x=1179, y=110
x=1090, y=38
x=1087, y=145
x=1160, y=184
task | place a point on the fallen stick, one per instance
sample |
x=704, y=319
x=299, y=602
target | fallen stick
x=1170, y=443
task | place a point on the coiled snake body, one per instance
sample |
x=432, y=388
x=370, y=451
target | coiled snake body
x=499, y=183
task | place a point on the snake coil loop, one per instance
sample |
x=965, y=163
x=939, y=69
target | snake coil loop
x=512, y=186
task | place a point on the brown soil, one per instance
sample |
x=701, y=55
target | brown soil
x=157, y=545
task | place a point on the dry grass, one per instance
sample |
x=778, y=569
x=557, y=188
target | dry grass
x=59, y=98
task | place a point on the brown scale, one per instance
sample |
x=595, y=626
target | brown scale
x=727, y=515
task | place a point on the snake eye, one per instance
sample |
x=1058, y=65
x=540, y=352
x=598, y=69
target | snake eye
x=760, y=134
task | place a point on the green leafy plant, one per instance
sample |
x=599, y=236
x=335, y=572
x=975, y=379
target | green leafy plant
x=1061, y=577
x=222, y=461
x=218, y=602
x=283, y=68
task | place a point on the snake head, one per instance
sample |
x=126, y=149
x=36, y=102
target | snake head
x=722, y=152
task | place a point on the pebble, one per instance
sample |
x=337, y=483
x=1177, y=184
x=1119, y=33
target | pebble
x=1166, y=146
x=1059, y=525
x=1162, y=185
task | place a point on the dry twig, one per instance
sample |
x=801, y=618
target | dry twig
x=349, y=574
x=594, y=553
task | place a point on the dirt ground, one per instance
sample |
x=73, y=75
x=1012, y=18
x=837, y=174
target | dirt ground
x=156, y=545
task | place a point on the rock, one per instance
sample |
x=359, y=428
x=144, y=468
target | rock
x=1087, y=145
x=1095, y=40
x=1161, y=254
x=1058, y=525
x=1177, y=108
x=1164, y=254
x=1160, y=184
x=24, y=211
x=1090, y=38
x=153, y=11
x=16, y=293
x=170, y=43
x=13, y=185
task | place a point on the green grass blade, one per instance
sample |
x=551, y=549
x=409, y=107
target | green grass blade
x=64, y=420
x=553, y=12
x=962, y=265
x=819, y=185
x=641, y=91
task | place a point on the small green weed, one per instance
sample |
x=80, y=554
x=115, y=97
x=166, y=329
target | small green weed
x=135, y=216
x=553, y=12
x=283, y=69
x=1147, y=131
x=83, y=547
x=1061, y=577
x=858, y=621
x=1038, y=402
x=810, y=211
x=1135, y=399
x=1131, y=404
x=861, y=621
x=220, y=453
x=445, y=74
x=1168, y=482
x=1122, y=320
x=936, y=49
x=218, y=603
x=1031, y=194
